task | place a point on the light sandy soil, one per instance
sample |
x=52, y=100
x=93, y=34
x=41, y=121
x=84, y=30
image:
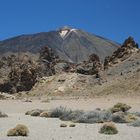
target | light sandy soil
x=48, y=128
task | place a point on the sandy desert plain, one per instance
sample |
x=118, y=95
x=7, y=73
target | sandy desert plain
x=49, y=128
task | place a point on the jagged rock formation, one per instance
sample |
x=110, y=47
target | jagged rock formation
x=48, y=60
x=79, y=77
x=90, y=67
x=129, y=47
x=64, y=66
x=22, y=76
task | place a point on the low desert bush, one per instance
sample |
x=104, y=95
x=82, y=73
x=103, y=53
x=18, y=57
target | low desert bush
x=131, y=118
x=3, y=115
x=19, y=130
x=35, y=112
x=63, y=125
x=72, y=115
x=28, y=112
x=79, y=116
x=108, y=128
x=118, y=117
x=94, y=117
x=59, y=112
x=120, y=107
x=135, y=123
x=137, y=114
x=72, y=125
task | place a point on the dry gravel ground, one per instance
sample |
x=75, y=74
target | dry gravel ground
x=49, y=129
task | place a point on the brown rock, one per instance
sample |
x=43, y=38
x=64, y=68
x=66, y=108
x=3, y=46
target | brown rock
x=44, y=114
x=122, y=53
x=63, y=125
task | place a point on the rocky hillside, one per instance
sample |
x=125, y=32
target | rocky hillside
x=50, y=75
x=69, y=44
x=121, y=76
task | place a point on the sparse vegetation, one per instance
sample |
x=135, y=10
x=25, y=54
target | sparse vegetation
x=137, y=114
x=131, y=118
x=80, y=116
x=19, y=130
x=72, y=115
x=72, y=125
x=108, y=128
x=59, y=112
x=35, y=112
x=119, y=117
x=63, y=125
x=120, y=107
x=3, y=115
x=135, y=123
x=95, y=117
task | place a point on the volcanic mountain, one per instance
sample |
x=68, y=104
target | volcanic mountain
x=73, y=45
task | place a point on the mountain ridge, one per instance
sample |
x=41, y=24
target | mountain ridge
x=74, y=45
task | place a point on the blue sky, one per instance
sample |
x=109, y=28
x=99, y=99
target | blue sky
x=113, y=19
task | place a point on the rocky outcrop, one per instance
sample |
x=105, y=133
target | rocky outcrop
x=125, y=51
x=22, y=77
x=4, y=96
x=52, y=64
x=90, y=67
x=64, y=66
x=48, y=61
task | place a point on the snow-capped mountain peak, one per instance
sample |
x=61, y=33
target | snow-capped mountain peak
x=64, y=31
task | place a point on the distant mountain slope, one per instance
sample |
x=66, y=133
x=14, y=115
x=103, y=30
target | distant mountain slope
x=73, y=45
